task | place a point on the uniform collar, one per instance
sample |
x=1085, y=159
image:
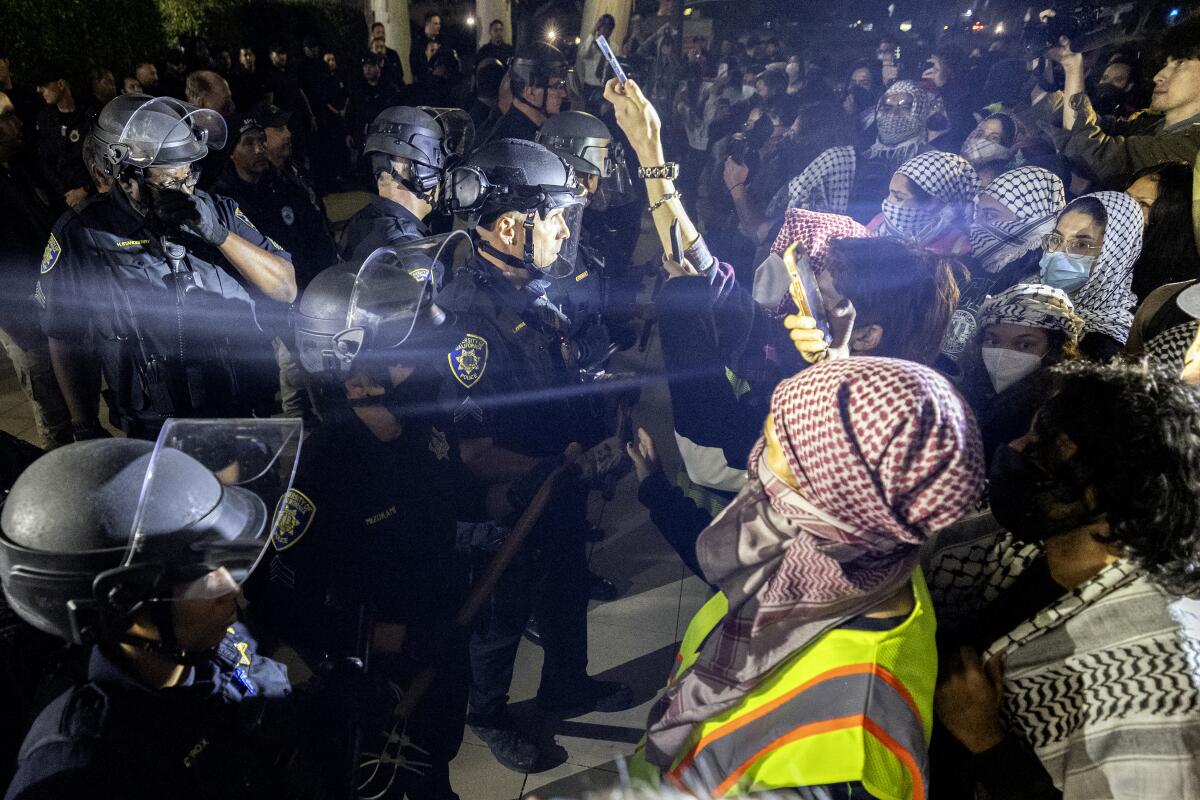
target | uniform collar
x=398, y=212
x=104, y=670
x=518, y=299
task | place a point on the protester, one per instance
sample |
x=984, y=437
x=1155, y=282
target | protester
x=1077, y=592
x=1169, y=255
x=1090, y=255
x=991, y=146
x=819, y=601
x=1011, y=217
x=928, y=203
x=1024, y=331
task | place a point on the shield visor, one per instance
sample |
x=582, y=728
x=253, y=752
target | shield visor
x=458, y=132
x=395, y=288
x=211, y=500
x=615, y=186
x=568, y=254
x=167, y=131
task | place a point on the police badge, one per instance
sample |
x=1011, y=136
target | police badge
x=469, y=360
x=292, y=518
x=50, y=254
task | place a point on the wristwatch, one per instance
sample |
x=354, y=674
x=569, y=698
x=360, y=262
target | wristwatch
x=666, y=172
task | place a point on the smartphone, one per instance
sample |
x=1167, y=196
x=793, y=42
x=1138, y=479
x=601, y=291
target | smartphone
x=611, y=58
x=676, y=242
x=805, y=292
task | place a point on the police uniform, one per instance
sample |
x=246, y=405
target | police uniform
x=282, y=210
x=373, y=523
x=511, y=379
x=210, y=736
x=106, y=284
x=513, y=125
x=381, y=222
x=60, y=147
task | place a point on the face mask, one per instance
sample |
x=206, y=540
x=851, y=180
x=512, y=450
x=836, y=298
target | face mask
x=1065, y=271
x=1106, y=99
x=1006, y=367
x=979, y=150
x=912, y=224
x=997, y=244
x=1019, y=488
x=895, y=125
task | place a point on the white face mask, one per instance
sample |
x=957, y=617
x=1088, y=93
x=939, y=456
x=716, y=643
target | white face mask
x=1006, y=367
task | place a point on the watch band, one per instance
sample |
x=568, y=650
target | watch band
x=667, y=172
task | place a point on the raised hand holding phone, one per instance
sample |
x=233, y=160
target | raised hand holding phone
x=611, y=58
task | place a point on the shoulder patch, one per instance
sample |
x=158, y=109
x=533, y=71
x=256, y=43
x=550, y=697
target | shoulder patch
x=292, y=518
x=50, y=254
x=237, y=212
x=469, y=360
x=420, y=274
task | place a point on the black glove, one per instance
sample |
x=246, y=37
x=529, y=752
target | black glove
x=191, y=212
x=89, y=429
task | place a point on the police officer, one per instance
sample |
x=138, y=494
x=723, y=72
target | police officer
x=61, y=125
x=176, y=700
x=513, y=386
x=277, y=206
x=585, y=143
x=406, y=150
x=370, y=522
x=167, y=283
x=538, y=75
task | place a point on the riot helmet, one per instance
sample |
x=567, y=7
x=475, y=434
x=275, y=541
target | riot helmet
x=511, y=175
x=539, y=66
x=139, y=131
x=584, y=142
x=95, y=533
x=379, y=313
x=428, y=138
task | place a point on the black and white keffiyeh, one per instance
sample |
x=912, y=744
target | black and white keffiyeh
x=1035, y=196
x=1168, y=348
x=824, y=185
x=1106, y=301
x=1103, y=683
x=901, y=132
x=947, y=178
x=1034, y=305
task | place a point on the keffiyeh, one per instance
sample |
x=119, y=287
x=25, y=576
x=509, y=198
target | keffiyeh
x=1106, y=301
x=1033, y=305
x=884, y=452
x=815, y=231
x=824, y=185
x=948, y=179
x=900, y=132
x=1036, y=197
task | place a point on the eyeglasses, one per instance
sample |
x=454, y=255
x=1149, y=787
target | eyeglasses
x=187, y=181
x=1052, y=243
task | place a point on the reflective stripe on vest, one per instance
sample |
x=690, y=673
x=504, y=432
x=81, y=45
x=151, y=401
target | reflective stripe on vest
x=830, y=701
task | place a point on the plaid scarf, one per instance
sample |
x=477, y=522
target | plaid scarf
x=900, y=132
x=1033, y=305
x=948, y=179
x=885, y=451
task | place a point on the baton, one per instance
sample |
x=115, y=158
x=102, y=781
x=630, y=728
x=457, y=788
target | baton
x=482, y=590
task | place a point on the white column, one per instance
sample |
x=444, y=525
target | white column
x=488, y=10
x=394, y=16
x=620, y=9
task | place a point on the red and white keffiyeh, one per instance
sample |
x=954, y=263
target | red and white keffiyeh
x=885, y=452
x=815, y=231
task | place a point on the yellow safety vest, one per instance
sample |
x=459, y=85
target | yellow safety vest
x=853, y=705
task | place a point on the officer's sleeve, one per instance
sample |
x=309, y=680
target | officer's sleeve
x=69, y=285
x=233, y=218
x=470, y=387
x=60, y=769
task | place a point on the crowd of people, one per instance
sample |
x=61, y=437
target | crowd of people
x=930, y=334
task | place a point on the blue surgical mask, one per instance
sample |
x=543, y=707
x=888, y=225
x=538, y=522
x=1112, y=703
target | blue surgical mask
x=1066, y=271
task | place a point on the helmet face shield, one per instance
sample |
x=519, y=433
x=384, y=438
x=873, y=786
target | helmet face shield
x=568, y=254
x=468, y=192
x=211, y=488
x=458, y=131
x=616, y=186
x=166, y=131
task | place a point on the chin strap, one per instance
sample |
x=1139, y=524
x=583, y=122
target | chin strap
x=528, y=263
